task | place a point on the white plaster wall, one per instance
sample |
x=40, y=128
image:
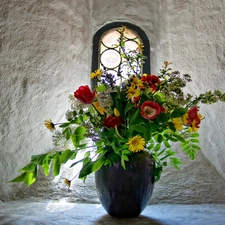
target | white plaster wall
x=195, y=36
x=197, y=45
x=46, y=54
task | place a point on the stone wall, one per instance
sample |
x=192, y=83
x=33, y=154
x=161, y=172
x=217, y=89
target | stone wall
x=46, y=54
x=197, y=46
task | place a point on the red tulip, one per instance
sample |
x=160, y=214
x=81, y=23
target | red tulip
x=149, y=110
x=151, y=80
x=112, y=121
x=84, y=94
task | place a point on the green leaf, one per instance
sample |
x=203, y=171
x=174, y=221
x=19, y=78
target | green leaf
x=179, y=138
x=135, y=116
x=31, y=177
x=56, y=165
x=169, y=152
x=185, y=148
x=28, y=168
x=91, y=167
x=159, y=98
x=87, y=154
x=157, y=171
x=82, y=146
x=163, y=117
x=64, y=125
x=178, y=112
x=192, y=155
x=46, y=167
x=139, y=128
x=195, y=135
x=175, y=162
x=67, y=133
x=194, y=140
x=38, y=159
x=83, y=118
x=157, y=147
x=20, y=178
x=123, y=163
x=158, y=138
x=151, y=144
x=75, y=163
x=27, y=177
x=171, y=126
x=125, y=158
x=79, y=132
x=101, y=88
x=126, y=152
x=66, y=155
x=78, y=135
x=196, y=147
x=184, y=144
x=166, y=143
x=173, y=139
x=128, y=107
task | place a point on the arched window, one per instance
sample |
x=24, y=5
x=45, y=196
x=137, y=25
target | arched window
x=106, y=54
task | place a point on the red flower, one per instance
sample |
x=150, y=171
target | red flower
x=84, y=94
x=112, y=121
x=149, y=110
x=162, y=109
x=136, y=101
x=151, y=80
x=193, y=116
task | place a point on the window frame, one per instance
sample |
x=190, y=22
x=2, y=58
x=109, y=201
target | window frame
x=97, y=40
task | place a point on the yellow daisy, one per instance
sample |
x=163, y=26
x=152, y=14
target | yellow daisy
x=50, y=125
x=132, y=92
x=166, y=63
x=177, y=123
x=136, y=82
x=136, y=143
x=67, y=182
x=96, y=74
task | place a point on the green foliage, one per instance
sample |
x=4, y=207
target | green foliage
x=90, y=167
x=190, y=146
x=56, y=158
x=178, y=112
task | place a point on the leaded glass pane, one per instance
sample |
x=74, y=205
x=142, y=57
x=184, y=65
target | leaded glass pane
x=110, y=59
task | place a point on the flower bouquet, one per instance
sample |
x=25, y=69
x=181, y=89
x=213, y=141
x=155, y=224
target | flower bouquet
x=123, y=115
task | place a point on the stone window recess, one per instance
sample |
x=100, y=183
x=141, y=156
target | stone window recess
x=106, y=53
